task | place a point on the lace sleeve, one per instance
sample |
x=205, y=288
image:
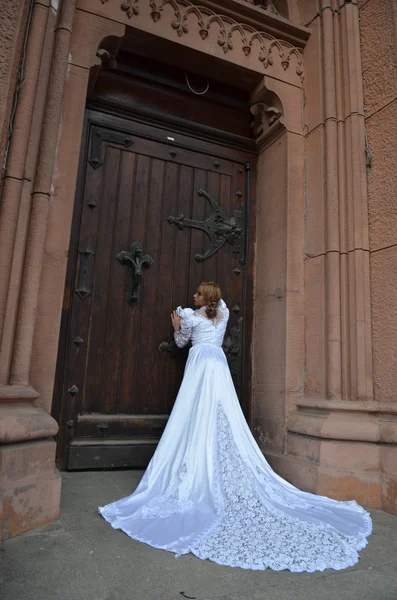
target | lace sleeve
x=182, y=337
x=224, y=310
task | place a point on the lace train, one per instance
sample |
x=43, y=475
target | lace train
x=253, y=536
x=248, y=533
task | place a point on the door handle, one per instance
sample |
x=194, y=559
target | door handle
x=170, y=347
x=135, y=260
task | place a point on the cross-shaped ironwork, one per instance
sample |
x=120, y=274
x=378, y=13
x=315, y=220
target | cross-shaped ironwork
x=135, y=259
x=217, y=227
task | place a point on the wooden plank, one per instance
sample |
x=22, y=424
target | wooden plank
x=120, y=426
x=118, y=282
x=136, y=455
x=130, y=396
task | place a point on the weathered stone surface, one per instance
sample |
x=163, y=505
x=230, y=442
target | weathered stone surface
x=308, y=10
x=23, y=422
x=30, y=486
x=359, y=486
x=384, y=323
x=29, y=506
x=378, y=51
x=269, y=347
x=21, y=464
x=269, y=433
x=315, y=192
x=13, y=16
x=382, y=177
x=315, y=334
x=314, y=85
x=389, y=478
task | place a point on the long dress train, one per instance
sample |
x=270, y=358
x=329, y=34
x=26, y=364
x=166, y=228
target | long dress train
x=209, y=490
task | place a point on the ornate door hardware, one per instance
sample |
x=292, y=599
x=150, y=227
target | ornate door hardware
x=169, y=347
x=83, y=290
x=101, y=135
x=218, y=228
x=73, y=390
x=135, y=260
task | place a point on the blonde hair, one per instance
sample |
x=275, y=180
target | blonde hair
x=212, y=295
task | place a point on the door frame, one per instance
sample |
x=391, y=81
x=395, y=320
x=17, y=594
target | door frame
x=191, y=136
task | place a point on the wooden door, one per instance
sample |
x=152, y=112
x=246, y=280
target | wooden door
x=135, y=257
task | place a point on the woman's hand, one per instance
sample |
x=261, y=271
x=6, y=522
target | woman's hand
x=176, y=321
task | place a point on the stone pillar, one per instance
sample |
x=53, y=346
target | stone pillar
x=337, y=221
x=278, y=349
x=14, y=15
x=29, y=483
x=35, y=217
x=336, y=422
x=15, y=180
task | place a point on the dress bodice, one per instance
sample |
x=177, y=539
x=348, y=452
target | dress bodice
x=199, y=329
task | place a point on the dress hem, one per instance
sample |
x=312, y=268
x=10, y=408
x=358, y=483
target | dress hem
x=361, y=544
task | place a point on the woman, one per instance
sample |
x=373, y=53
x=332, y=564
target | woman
x=208, y=488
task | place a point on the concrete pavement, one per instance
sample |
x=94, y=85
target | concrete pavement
x=81, y=557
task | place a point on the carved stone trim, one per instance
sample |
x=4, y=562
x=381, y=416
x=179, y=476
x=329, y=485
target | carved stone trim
x=227, y=26
x=131, y=7
x=251, y=39
x=265, y=4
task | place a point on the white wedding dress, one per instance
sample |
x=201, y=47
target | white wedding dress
x=208, y=489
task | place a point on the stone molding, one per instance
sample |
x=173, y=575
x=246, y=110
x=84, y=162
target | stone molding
x=266, y=45
x=344, y=424
x=18, y=393
x=25, y=422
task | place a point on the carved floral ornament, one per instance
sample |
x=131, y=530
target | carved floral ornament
x=228, y=29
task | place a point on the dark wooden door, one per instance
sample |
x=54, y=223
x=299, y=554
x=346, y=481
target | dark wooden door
x=118, y=373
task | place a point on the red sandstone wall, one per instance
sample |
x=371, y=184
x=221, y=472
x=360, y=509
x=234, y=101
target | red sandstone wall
x=270, y=298
x=13, y=18
x=379, y=58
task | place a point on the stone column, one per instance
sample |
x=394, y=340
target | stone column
x=337, y=419
x=17, y=180
x=29, y=482
x=278, y=348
